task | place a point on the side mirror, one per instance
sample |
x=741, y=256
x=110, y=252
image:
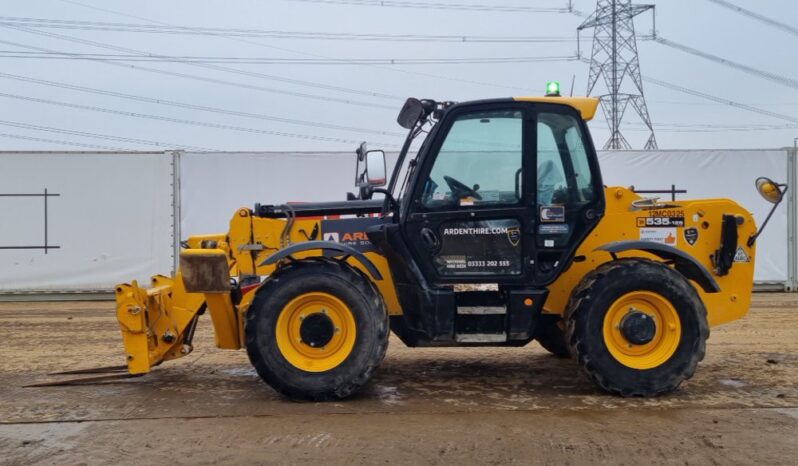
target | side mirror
x=769, y=189
x=375, y=168
x=412, y=110
x=773, y=193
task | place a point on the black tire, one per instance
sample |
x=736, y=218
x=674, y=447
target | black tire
x=552, y=339
x=343, y=282
x=591, y=302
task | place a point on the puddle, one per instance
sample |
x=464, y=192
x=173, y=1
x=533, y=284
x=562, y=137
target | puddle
x=734, y=383
x=56, y=436
x=240, y=372
x=389, y=395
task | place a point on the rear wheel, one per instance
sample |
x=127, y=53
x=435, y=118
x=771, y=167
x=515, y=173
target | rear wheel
x=317, y=330
x=637, y=327
x=552, y=339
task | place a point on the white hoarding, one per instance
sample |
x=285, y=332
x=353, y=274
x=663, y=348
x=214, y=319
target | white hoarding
x=108, y=219
x=713, y=174
x=109, y=216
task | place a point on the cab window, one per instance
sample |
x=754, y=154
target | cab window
x=479, y=162
x=564, y=176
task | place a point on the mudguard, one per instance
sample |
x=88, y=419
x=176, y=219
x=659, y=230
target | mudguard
x=683, y=262
x=337, y=249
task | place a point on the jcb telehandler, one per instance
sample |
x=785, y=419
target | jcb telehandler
x=505, y=194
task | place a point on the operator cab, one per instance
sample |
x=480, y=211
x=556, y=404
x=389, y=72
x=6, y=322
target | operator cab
x=501, y=192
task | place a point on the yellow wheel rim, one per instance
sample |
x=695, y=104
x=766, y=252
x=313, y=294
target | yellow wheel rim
x=666, y=336
x=300, y=353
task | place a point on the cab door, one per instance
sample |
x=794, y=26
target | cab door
x=471, y=216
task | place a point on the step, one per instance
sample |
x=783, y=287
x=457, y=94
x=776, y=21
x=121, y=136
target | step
x=481, y=337
x=481, y=310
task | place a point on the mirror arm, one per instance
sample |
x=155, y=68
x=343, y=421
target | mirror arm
x=752, y=238
x=392, y=204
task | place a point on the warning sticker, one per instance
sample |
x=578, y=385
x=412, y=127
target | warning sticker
x=659, y=235
x=553, y=229
x=741, y=256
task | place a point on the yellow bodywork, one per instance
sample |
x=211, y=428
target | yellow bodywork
x=156, y=321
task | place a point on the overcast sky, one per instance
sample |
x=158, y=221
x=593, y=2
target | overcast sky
x=364, y=99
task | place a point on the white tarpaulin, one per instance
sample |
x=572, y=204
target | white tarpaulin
x=110, y=215
x=214, y=185
x=712, y=174
x=108, y=220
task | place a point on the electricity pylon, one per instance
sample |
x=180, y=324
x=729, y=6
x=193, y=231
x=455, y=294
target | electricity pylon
x=614, y=58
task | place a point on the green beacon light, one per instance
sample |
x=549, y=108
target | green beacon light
x=552, y=89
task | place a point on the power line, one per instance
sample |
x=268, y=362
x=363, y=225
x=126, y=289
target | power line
x=184, y=121
x=298, y=82
x=699, y=127
x=761, y=18
x=273, y=34
x=202, y=78
x=779, y=79
x=440, y=6
x=721, y=100
x=279, y=61
x=173, y=103
x=715, y=99
x=299, y=52
x=85, y=134
x=59, y=141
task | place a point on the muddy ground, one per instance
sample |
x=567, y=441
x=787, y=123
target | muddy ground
x=425, y=406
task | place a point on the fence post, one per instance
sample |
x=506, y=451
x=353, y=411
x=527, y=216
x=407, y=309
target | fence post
x=792, y=220
x=176, y=205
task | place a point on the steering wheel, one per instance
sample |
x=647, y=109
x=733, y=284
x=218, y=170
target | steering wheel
x=460, y=189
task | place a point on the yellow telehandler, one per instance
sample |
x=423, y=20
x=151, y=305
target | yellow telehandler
x=498, y=231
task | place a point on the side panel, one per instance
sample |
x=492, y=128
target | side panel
x=258, y=238
x=692, y=226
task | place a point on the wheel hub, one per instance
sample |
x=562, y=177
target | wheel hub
x=316, y=330
x=638, y=327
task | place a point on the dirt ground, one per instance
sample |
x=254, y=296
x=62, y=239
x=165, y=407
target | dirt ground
x=428, y=406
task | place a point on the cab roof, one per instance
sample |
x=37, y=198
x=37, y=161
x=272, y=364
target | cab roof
x=586, y=105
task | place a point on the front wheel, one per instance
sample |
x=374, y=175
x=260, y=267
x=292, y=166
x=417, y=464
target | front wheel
x=637, y=327
x=316, y=330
